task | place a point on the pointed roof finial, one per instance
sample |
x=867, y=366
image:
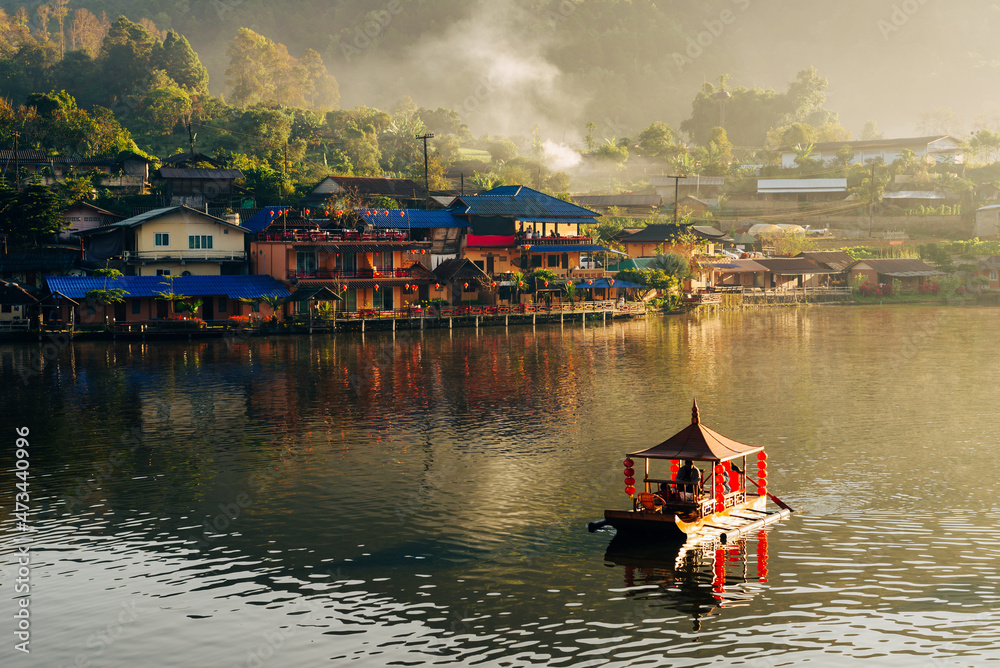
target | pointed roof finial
x=694, y=413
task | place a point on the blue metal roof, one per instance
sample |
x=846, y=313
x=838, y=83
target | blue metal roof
x=518, y=201
x=263, y=218
x=402, y=219
x=233, y=287
x=570, y=248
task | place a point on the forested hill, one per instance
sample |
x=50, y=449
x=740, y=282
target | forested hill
x=507, y=65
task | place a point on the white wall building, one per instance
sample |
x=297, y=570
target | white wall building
x=942, y=148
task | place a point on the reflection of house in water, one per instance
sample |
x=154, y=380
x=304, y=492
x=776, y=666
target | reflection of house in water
x=694, y=580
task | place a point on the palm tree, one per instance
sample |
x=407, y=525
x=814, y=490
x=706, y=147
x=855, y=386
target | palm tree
x=671, y=264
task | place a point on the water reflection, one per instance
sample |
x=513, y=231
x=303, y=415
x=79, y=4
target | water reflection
x=693, y=579
x=424, y=498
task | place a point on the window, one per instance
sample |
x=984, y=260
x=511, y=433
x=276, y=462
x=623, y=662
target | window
x=553, y=260
x=222, y=305
x=480, y=264
x=993, y=275
x=136, y=307
x=536, y=260
x=162, y=272
x=5, y=308
x=196, y=241
x=162, y=239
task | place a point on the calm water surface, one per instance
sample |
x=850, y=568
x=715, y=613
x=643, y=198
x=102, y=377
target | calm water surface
x=422, y=500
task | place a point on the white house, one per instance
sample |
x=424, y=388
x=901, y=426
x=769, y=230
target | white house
x=802, y=190
x=943, y=148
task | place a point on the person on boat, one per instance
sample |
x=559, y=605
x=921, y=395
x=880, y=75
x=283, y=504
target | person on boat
x=691, y=475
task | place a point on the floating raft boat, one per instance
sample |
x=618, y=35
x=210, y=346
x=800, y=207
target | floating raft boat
x=686, y=505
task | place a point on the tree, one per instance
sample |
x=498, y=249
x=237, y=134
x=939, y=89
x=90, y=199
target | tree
x=182, y=64
x=261, y=70
x=105, y=295
x=659, y=140
x=443, y=121
x=871, y=131
x=166, y=105
x=672, y=264
x=87, y=32
x=31, y=215
x=127, y=55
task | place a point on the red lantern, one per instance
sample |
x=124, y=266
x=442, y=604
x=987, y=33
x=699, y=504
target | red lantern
x=762, y=474
x=465, y=285
x=437, y=286
x=629, y=481
x=720, y=506
x=406, y=286
x=387, y=213
x=629, y=472
x=402, y=213
x=493, y=284
x=630, y=490
x=628, y=463
x=546, y=284
x=343, y=287
x=376, y=287
x=762, y=456
x=612, y=281
x=340, y=213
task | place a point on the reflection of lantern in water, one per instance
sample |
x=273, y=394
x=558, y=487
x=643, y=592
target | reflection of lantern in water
x=762, y=555
x=719, y=574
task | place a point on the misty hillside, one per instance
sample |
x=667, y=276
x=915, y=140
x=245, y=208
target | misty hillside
x=507, y=66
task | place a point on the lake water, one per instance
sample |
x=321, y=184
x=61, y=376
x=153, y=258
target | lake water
x=423, y=499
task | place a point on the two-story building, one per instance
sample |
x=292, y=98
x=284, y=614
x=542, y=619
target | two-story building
x=172, y=241
x=517, y=229
x=369, y=270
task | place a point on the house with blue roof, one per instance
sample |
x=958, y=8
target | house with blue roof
x=518, y=229
x=171, y=241
x=151, y=298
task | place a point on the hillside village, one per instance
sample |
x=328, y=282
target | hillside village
x=130, y=197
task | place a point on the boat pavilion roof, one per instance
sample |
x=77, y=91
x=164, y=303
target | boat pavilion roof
x=698, y=443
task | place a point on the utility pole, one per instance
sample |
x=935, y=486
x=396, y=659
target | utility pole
x=677, y=188
x=191, y=137
x=871, y=201
x=427, y=182
x=17, y=164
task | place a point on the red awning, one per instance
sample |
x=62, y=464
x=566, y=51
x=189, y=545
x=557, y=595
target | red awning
x=489, y=241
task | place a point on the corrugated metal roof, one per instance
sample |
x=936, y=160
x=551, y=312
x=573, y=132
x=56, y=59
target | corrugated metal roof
x=778, y=186
x=7, y=156
x=18, y=262
x=791, y=266
x=738, y=266
x=517, y=202
x=570, y=248
x=208, y=174
x=900, y=267
x=838, y=260
x=402, y=219
x=233, y=287
x=157, y=213
x=695, y=181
